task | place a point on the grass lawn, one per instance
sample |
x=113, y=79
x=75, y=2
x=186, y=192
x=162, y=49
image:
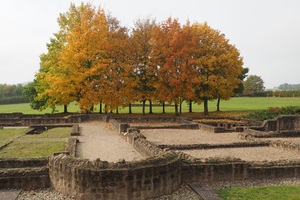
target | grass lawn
x=236, y=104
x=31, y=146
x=7, y=135
x=31, y=149
x=52, y=133
x=261, y=193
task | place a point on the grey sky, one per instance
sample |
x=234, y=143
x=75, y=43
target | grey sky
x=267, y=32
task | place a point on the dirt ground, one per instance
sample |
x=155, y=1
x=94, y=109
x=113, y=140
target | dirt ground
x=100, y=140
x=247, y=153
x=183, y=136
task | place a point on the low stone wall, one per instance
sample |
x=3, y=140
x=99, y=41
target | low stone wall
x=75, y=130
x=71, y=146
x=179, y=126
x=144, y=119
x=211, y=129
x=270, y=134
x=233, y=171
x=155, y=176
x=84, y=179
x=284, y=122
x=24, y=173
x=215, y=146
x=290, y=146
x=20, y=163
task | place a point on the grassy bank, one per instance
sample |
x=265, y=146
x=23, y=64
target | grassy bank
x=261, y=193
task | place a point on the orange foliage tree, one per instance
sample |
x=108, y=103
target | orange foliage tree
x=172, y=56
x=144, y=72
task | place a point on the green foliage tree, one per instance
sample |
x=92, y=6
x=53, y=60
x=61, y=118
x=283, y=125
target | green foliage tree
x=254, y=86
x=30, y=93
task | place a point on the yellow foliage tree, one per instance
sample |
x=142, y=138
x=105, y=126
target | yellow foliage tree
x=219, y=65
x=83, y=58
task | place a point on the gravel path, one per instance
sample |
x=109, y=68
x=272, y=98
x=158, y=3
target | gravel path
x=99, y=140
x=181, y=136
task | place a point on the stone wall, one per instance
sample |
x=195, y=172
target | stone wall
x=19, y=119
x=155, y=176
x=24, y=173
x=285, y=122
x=85, y=179
x=212, y=129
x=233, y=171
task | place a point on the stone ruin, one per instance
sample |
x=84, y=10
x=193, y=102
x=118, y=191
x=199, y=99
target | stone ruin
x=164, y=169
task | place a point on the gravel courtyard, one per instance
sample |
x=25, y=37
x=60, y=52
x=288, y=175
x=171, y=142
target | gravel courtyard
x=183, y=136
x=100, y=140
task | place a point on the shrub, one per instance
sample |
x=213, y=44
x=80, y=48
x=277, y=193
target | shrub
x=273, y=112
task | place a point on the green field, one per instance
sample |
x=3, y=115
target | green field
x=240, y=104
x=261, y=193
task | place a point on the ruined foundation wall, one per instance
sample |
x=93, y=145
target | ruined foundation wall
x=284, y=122
x=155, y=176
x=206, y=172
x=24, y=173
x=84, y=179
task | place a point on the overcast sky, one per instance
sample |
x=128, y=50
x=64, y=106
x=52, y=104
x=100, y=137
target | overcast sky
x=267, y=32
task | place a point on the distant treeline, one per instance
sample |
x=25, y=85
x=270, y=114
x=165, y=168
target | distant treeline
x=10, y=94
x=278, y=93
x=287, y=86
x=286, y=93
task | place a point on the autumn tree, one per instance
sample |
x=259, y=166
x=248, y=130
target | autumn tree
x=46, y=86
x=53, y=83
x=254, y=86
x=141, y=47
x=119, y=79
x=172, y=56
x=72, y=69
x=219, y=65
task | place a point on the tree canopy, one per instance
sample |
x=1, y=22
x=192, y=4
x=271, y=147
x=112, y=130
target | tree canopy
x=254, y=86
x=93, y=59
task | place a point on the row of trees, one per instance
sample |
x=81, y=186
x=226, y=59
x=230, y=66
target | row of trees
x=92, y=59
x=11, y=94
x=287, y=86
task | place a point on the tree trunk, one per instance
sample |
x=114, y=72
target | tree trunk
x=144, y=102
x=100, y=109
x=176, y=109
x=91, y=109
x=163, y=106
x=205, y=103
x=180, y=106
x=105, y=108
x=130, y=109
x=190, y=106
x=218, y=104
x=150, y=107
x=65, y=109
x=117, y=110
